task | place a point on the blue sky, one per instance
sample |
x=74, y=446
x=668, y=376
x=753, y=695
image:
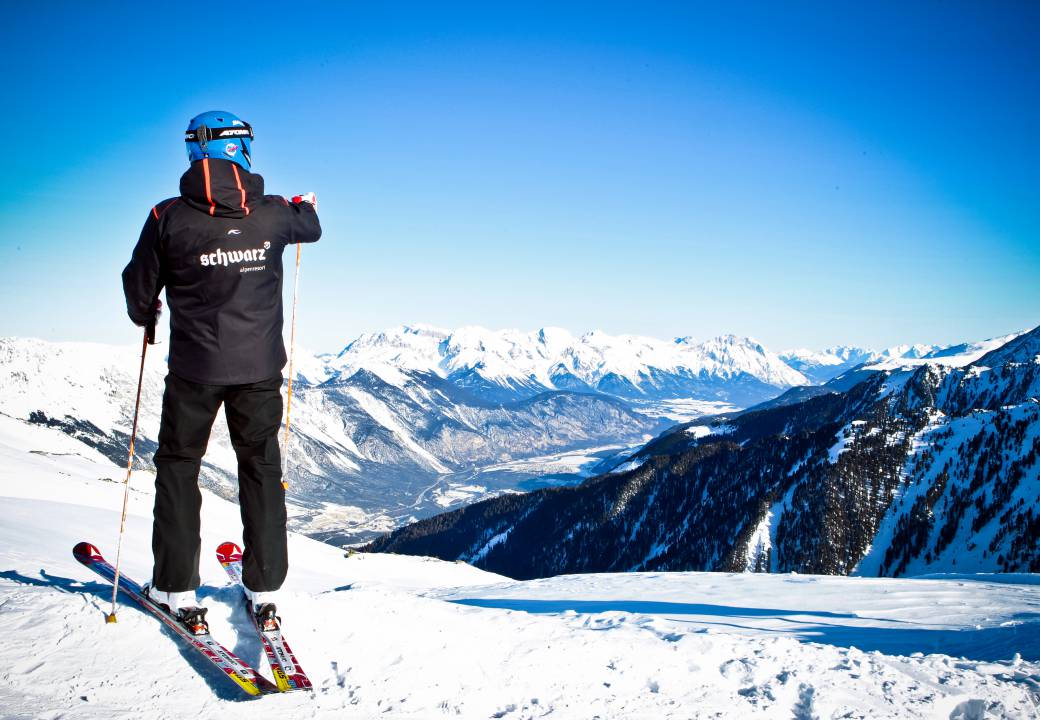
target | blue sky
x=807, y=174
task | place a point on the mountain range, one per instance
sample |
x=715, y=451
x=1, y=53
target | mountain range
x=405, y=423
x=508, y=364
x=927, y=464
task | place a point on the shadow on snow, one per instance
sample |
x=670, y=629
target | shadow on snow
x=973, y=643
x=212, y=676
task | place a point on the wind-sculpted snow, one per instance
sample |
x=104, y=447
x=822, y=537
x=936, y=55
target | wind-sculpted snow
x=931, y=468
x=393, y=636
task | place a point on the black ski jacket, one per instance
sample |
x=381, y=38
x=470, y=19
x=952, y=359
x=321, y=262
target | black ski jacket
x=217, y=249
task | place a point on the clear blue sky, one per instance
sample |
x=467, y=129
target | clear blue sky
x=804, y=173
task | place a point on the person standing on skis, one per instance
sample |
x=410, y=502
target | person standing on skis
x=217, y=251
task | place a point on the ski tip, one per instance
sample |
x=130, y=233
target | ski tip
x=86, y=553
x=228, y=552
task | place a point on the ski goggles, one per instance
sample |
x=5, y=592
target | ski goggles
x=203, y=135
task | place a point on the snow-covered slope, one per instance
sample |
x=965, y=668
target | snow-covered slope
x=405, y=637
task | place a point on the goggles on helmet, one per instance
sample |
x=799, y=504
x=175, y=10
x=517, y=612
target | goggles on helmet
x=203, y=134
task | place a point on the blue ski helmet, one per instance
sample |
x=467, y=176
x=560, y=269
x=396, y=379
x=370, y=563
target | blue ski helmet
x=219, y=134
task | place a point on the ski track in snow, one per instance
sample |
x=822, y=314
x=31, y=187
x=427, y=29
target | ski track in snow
x=404, y=637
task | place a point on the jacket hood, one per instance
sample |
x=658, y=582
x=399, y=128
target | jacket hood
x=221, y=188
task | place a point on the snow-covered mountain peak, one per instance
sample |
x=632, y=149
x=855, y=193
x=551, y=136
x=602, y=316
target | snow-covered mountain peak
x=910, y=351
x=389, y=352
x=424, y=329
x=553, y=358
x=402, y=336
x=833, y=355
x=554, y=337
x=723, y=345
x=732, y=354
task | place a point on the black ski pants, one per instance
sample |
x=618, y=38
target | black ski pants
x=254, y=414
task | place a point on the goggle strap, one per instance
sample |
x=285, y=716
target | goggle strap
x=204, y=134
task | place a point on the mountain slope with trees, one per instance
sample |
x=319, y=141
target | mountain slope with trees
x=920, y=469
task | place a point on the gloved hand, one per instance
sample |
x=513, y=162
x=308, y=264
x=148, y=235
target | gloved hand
x=149, y=326
x=307, y=198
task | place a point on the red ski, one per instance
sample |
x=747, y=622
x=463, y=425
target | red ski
x=238, y=671
x=288, y=674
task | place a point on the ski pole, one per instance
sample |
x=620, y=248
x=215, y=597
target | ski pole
x=126, y=483
x=292, y=350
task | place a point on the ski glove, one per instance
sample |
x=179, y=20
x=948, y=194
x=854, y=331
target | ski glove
x=149, y=327
x=307, y=198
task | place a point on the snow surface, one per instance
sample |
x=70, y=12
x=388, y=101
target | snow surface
x=394, y=636
x=845, y=437
x=761, y=543
x=630, y=465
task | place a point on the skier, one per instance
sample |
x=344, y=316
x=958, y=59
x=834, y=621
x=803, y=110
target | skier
x=217, y=251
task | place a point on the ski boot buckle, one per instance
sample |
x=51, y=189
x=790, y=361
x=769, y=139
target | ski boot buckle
x=267, y=618
x=194, y=618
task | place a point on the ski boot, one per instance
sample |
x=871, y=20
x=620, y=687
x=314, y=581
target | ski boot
x=181, y=605
x=266, y=617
